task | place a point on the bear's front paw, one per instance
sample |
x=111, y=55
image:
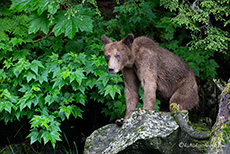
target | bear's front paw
x=119, y=122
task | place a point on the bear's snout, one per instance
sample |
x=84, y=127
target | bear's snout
x=111, y=70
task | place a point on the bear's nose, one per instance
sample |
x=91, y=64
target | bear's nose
x=111, y=70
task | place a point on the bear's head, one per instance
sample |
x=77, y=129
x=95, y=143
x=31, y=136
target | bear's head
x=118, y=54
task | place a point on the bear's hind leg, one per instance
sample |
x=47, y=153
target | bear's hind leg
x=186, y=96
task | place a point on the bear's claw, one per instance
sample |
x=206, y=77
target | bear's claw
x=119, y=122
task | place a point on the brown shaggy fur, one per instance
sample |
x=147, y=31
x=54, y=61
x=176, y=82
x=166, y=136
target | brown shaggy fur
x=159, y=71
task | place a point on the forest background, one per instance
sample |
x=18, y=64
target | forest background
x=54, y=85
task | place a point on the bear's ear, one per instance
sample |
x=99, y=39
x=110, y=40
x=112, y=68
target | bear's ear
x=105, y=39
x=128, y=40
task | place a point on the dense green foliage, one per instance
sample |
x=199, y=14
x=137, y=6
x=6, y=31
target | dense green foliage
x=46, y=80
x=208, y=23
x=51, y=55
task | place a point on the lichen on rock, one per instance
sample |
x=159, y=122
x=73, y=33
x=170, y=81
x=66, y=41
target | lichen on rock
x=143, y=132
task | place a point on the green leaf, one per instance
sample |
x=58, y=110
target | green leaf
x=46, y=136
x=81, y=98
x=50, y=99
x=20, y=5
x=54, y=136
x=57, y=46
x=29, y=103
x=65, y=25
x=59, y=82
x=37, y=121
x=82, y=89
x=112, y=90
x=104, y=78
x=24, y=88
x=39, y=22
x=34, y=66
x=43, y=77
x=77, y=75
x=67, y=110
x=211, y=67
x=53, y=7
x=70, y=28
x=25, y=103
x=2, y=106
x=56, y=72
x=71, y=24
x=42, y=6
x=33, y=136
x=6, y=93
x=54, y=57
x=26, y=100
x=21, y=54
x=29, y=76
x=84, y=23
x=60, y=23
x=7, y=63
x=91, y=82
x=157, y=105
x=16, y=41
x=19, y=67
x=18, y=114
x=38, y=98
x=77, y=112
x=66, y=73
x=195, y=68
x=6, y=106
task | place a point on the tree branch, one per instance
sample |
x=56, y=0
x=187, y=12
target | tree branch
x=34, y=41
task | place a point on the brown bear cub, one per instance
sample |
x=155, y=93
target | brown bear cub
x=159, y=71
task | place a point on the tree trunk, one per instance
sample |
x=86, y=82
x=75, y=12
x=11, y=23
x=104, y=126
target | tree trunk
x=220, y=139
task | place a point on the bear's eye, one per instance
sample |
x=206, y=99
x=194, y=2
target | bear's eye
x=107, y=57
x=118, y=57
